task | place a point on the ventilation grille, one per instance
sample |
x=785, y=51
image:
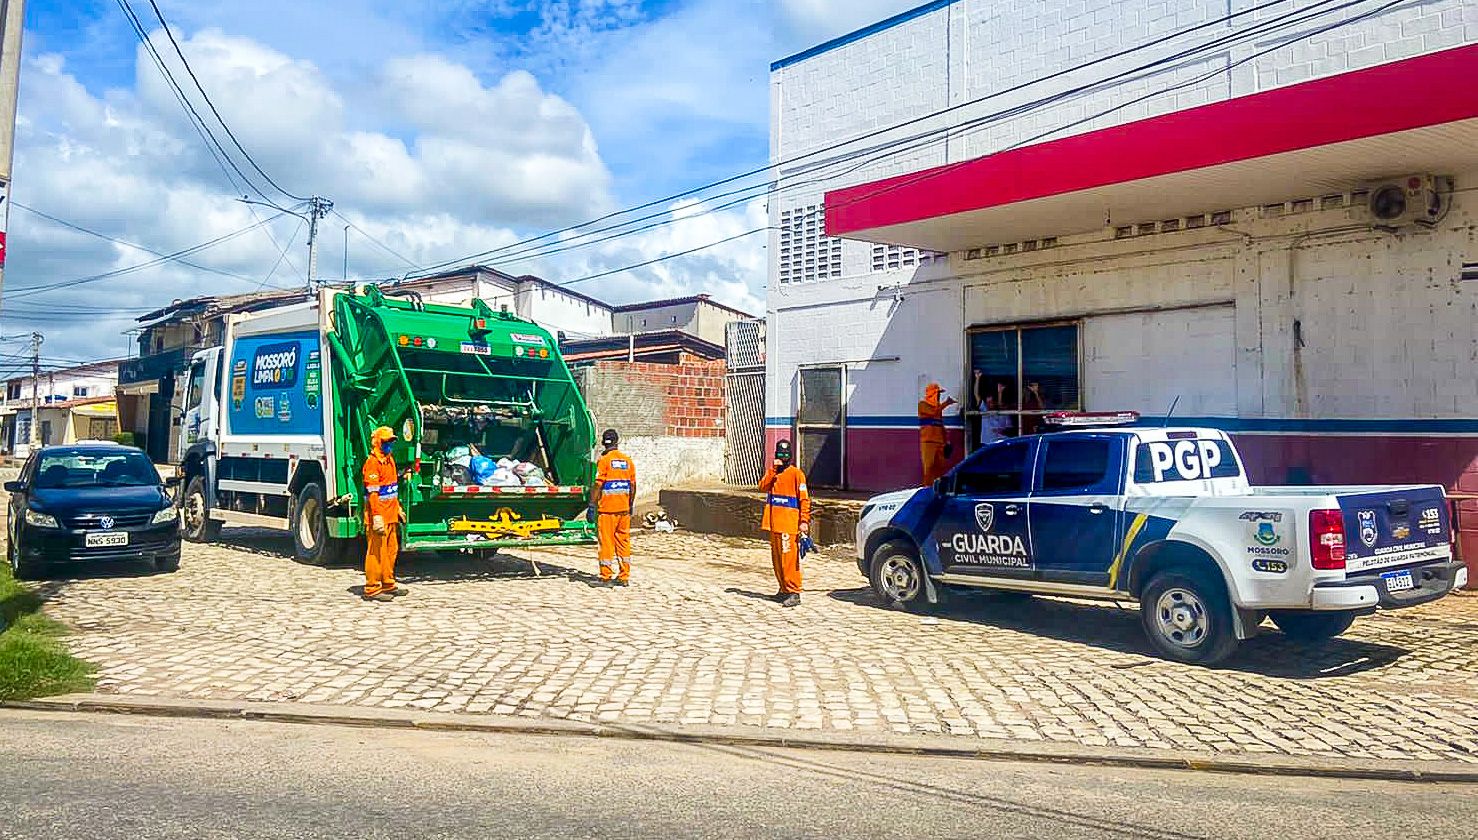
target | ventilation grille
x=894, y=257
x=806, y=252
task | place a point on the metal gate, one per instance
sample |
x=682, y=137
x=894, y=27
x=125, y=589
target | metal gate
x=821, y=425
x=744, y=402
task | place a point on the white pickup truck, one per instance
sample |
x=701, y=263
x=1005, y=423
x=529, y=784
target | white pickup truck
x=1164, y=517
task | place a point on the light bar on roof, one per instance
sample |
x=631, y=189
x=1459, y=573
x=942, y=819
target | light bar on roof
x=1088, y=419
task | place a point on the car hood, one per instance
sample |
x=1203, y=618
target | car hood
x=99, y=499
x=887, y=504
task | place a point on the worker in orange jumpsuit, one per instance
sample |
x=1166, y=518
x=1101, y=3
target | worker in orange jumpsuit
x=614, y=500
x=787, y=517
x=932, y=444
x=382, y=514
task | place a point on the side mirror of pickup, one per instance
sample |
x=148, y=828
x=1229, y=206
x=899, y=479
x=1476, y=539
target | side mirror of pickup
x=173, y=481
x=941, y=487
x=15, y=487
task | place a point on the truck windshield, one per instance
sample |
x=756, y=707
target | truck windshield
x=73, y=468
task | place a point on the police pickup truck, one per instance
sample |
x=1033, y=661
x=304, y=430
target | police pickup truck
x=1164, y=517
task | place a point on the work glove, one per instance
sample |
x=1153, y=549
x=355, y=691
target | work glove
x=378, y=524
x=804, y=546
x=590, y=513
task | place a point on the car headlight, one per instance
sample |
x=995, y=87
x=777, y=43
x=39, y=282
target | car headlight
x=168, y=514
x=40, y=520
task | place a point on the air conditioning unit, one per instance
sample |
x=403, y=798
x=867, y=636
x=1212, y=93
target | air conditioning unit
x=1414, y=200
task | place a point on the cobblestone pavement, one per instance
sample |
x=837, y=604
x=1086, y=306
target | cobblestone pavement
x=694, y=641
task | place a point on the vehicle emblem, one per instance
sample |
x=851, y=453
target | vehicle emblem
x=106, y=523
x=1368, y=533
x=1400, y=532
x=985, y=516
x=1266, y=535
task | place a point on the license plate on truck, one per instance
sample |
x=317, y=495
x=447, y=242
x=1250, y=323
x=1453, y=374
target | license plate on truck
x=1399, y=581
x=106, y=539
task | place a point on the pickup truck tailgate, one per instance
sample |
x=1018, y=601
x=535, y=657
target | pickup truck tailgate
x=1392, y=527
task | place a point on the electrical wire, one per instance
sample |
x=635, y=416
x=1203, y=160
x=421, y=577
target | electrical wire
x=375, y=241
x=198, y=86
x=283, y=255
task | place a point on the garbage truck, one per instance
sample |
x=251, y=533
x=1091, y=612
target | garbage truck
x=493, y=439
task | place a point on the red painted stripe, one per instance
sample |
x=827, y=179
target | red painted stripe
x=1414, y=93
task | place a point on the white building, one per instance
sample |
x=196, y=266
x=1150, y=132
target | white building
x=1134, y=204
x=76, y=403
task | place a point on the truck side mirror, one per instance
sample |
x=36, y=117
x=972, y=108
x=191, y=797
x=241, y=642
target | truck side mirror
x=941, y=486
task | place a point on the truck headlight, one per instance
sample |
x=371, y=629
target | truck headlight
x=40, y=520
x=168, y=514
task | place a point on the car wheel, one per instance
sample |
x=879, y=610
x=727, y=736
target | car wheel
x=20, y=567
x=195, y=522
x=310, y=530
x=897, y=577
x=1313, y=626
x=1188, y=617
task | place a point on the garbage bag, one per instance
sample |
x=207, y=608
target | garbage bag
x=480, y=469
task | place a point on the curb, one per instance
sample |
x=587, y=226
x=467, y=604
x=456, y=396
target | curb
x=751, y=737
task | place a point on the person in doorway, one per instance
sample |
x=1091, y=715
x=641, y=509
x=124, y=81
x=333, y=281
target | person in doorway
x=382, y=512
x=932, y=442
x=614, y=499
x=787, y=517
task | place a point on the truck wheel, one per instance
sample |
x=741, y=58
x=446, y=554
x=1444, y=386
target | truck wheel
x=1313, y=626
x=310, y=531
x=897, y=577
x=196, y=525
x=1188, y=617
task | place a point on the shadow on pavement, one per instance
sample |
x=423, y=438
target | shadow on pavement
x=1116, y=628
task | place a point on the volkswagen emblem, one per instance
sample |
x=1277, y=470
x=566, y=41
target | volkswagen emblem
x=106, y=523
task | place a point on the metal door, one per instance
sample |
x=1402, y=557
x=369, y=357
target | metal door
x=821, y=425
x=744, y=403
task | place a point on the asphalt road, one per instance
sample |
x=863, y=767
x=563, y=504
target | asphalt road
x=70, y=776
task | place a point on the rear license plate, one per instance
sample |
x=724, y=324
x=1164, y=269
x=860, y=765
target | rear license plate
x=105, y=539
x=1399, y=581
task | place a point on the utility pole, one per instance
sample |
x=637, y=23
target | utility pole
x=12, y=14
x=35, y=389
x=318, y=210
x=346, y=253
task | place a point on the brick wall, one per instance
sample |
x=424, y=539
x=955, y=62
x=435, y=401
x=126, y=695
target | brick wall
x=641, y=399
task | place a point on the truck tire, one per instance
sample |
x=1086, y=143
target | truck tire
x=195, y=522
x=897, y=577
x=311, y=543
x=1187, y=616
x=1313, y=626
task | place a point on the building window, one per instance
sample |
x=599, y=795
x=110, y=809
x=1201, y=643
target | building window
x=1017, y=374
x=79, y=391
x=806, y=252
x=12, y=390
x=894, y=257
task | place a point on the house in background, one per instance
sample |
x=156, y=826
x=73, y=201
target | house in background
x=697, y=315
x=76, y=403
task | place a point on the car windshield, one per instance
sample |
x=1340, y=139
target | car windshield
x=74, y=468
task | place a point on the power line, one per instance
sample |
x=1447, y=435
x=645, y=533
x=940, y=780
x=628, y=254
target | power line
x=934, y=173
x=854, y=140
x=229, y=133
x=283, y=255
x=375, y=241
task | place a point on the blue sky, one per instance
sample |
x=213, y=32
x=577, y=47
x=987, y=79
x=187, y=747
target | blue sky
x=442, y=128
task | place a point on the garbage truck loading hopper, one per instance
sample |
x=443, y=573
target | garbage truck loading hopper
x=464, y=389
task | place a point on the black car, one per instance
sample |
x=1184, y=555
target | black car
x=90, y=502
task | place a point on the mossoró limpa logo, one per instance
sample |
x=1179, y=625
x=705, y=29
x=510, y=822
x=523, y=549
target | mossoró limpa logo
x=275, y=366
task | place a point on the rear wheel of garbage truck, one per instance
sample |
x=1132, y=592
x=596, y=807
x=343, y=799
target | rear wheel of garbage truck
x=1313, y=626
x=310, y=529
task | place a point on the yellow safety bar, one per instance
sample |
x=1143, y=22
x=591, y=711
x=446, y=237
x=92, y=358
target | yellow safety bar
x=506, y=523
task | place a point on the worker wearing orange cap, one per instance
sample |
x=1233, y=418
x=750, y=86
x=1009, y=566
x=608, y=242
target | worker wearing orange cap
x=932, y=444
x=382, y=514
x=787, y=517
x=614, y=499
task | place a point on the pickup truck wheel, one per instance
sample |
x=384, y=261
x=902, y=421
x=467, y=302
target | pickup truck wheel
x=310, y=531
x=1313, y=626
x=897, y=577
x=1188, y=617
x=195, y=524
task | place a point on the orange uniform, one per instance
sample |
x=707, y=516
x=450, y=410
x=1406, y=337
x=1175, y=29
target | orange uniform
x=787, y=508
x=615, y=476
x=382, y=516
x=931, y=434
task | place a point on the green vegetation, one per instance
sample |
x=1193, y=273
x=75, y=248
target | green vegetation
x=33, y=660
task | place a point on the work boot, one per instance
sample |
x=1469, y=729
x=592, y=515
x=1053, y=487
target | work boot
x=792, y=600
x=398, y=591
x=622, y=582
x=778, y=596
x=383, y=596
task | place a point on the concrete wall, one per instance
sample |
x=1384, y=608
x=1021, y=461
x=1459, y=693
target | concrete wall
x=678, y=316
x=556, y=311
x=664, y=462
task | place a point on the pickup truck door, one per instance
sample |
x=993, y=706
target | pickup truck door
x=982, y=524
x=1076, y=507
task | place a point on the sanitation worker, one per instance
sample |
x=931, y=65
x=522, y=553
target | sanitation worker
x=614, y=499
x=932, y=445
x=382, y=510
x=787, y=517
